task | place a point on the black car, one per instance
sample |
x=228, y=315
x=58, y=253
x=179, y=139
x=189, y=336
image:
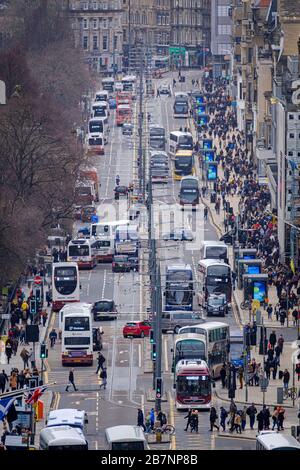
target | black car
x=104, y=309
x=217, y=305
x=120, y=191
x=121, y=264
x=127, y=128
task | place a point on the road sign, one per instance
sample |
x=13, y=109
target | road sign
x=38, y=280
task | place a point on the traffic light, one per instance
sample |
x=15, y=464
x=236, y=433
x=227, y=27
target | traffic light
x=151, y=336
x=32, y=305
x=154, y=353
x=158, y=388
x=253, y=336
x=43, y=351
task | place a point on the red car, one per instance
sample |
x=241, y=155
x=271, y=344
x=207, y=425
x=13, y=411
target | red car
x=139, y=329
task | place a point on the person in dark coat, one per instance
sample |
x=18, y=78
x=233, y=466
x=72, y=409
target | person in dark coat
x=260, y=419
x=213, y=418
x=3, y=381
x=251, y=412
x=71, y=381
x=101, y=360
x=273, y=339
x=223, y=375
x=188, y=417
x=266, y=417
x=8, y=351
x=140, y=419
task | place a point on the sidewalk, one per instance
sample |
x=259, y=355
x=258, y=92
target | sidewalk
x=17, y=362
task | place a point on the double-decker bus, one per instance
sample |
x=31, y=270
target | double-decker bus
x=65, y=284
x=123, y=114
x=128, y=83
x=102, y=95
x=179, y=288
x=99, y=109
x=188, y=346
x=193, y=384
x=77, y=339
x=217, y=341
x=184, y=164
x=157, y=137
x=214, y=277
x=181, y=105
x=95, y=144
x=180, y=141
x=104, y=233
x=214, y=250
x=189, y=191
x=81, y=251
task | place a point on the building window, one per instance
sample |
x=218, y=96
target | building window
x=158, y=19
x=224, y=29
x=85, y=42
x=95, y=43
x=86, y=5
x=95, y=23
x=95, y=5
x=223, y=49
x=85, y=23
x=115, y=42
x=105, y=43
x=223, y=10
x=104, y=24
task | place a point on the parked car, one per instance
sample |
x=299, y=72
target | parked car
x=179, y=234
x=120, y=191
x=217, y=305
x=121, y=264
x=127, y=128
x=104, y=309
x=138, y=329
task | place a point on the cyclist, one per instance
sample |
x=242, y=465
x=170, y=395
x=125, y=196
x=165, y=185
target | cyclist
x=52, y=337
x=161, y=417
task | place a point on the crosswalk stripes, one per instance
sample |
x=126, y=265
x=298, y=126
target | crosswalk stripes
x=185, y=440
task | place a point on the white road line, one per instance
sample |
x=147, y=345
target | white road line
x=166, y=354
x=140, y=355
x=110, y=156
x=104, y=283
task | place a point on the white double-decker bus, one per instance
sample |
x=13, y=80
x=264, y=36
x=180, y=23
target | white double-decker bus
x=77, y=339
x=65, y=284
x=82, y=252
x=104, y=233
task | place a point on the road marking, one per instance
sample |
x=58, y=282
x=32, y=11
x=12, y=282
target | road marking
x=110, y=156
x=104, y=283
x=166, y=354
x=140, y=355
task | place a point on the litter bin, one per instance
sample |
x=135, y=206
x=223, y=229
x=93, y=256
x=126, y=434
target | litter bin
x=279, y=395
x=213, y=197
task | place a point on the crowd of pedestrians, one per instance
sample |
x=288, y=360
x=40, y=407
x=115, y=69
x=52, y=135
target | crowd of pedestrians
x=17, y=379
x=148, y=422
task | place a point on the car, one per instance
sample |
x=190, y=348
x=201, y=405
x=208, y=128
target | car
x=127, y=128
x=121, y=264
x=139, y=329
x=120, y=191
x=134, y=263
x=179, y=234
x=104, y=309
x=112, y=103
x=217, y=305
x=164, y=89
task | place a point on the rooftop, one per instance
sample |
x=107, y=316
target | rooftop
x=290, y=8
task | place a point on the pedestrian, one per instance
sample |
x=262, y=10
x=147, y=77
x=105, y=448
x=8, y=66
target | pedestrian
x=13, y=381
x=266, y=417
x=148, y=422
x=237, y=423
x=21, y=379
x=251, y=412
x=241, y=376
x=8, y=351
x=52, y=337
x=44, y=317
x=161, y=417
x=273, y=339
x=152, y=418
x=286, y=379
x=205, y=213
x=71, y=381
x=48, y=297
x=223, y=375
x=140, y=419
x=101, y=359
x=223, y=416
x=194, y=421
x=280, y=343
x=25, y=357
x=275, y=418
x=295, y=316
x=244, y=418
x=3, y=380
x=270, y=311
x=188, y=417
x=260, y=419
x=212, y=418
x=103, y=377
x=280, y=420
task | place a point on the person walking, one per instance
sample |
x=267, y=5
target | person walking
x=244, y=418
x=266, y=417
x=71, y=381
x=280, y=420
x=251, y=412
x=52, y=337
x=275, y=417
x=13, y=381
x=280, y=343
x=273, y=339
x=44, y=317
x=241, y=376
x=213, y=418
x=237, y=423
x=140, y=419
x=205, y=213
x=101, y=360
x=223, y=375
x=270, y=311
x=8, y=351
x=3, y=380
x=223, y=416
x=21, y=379
x=194, y=421
x=152, y=418
x=286, y=379
x=103, y=377
x=148, y=422
x=188, y=417
x=25, y=357
x=260, y=420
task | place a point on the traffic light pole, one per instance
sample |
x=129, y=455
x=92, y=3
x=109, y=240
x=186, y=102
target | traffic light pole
x=158, y=337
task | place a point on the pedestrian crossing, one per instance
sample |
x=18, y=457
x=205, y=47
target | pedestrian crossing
x=187, y=440
x=84, y=379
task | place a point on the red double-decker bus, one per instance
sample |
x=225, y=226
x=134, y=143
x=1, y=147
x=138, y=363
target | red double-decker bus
x=193, y=384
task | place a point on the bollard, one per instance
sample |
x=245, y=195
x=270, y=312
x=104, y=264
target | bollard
x=158, y=435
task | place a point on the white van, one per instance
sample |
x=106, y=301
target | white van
x=62, y=438
x=68, y=417
x=125, y=437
